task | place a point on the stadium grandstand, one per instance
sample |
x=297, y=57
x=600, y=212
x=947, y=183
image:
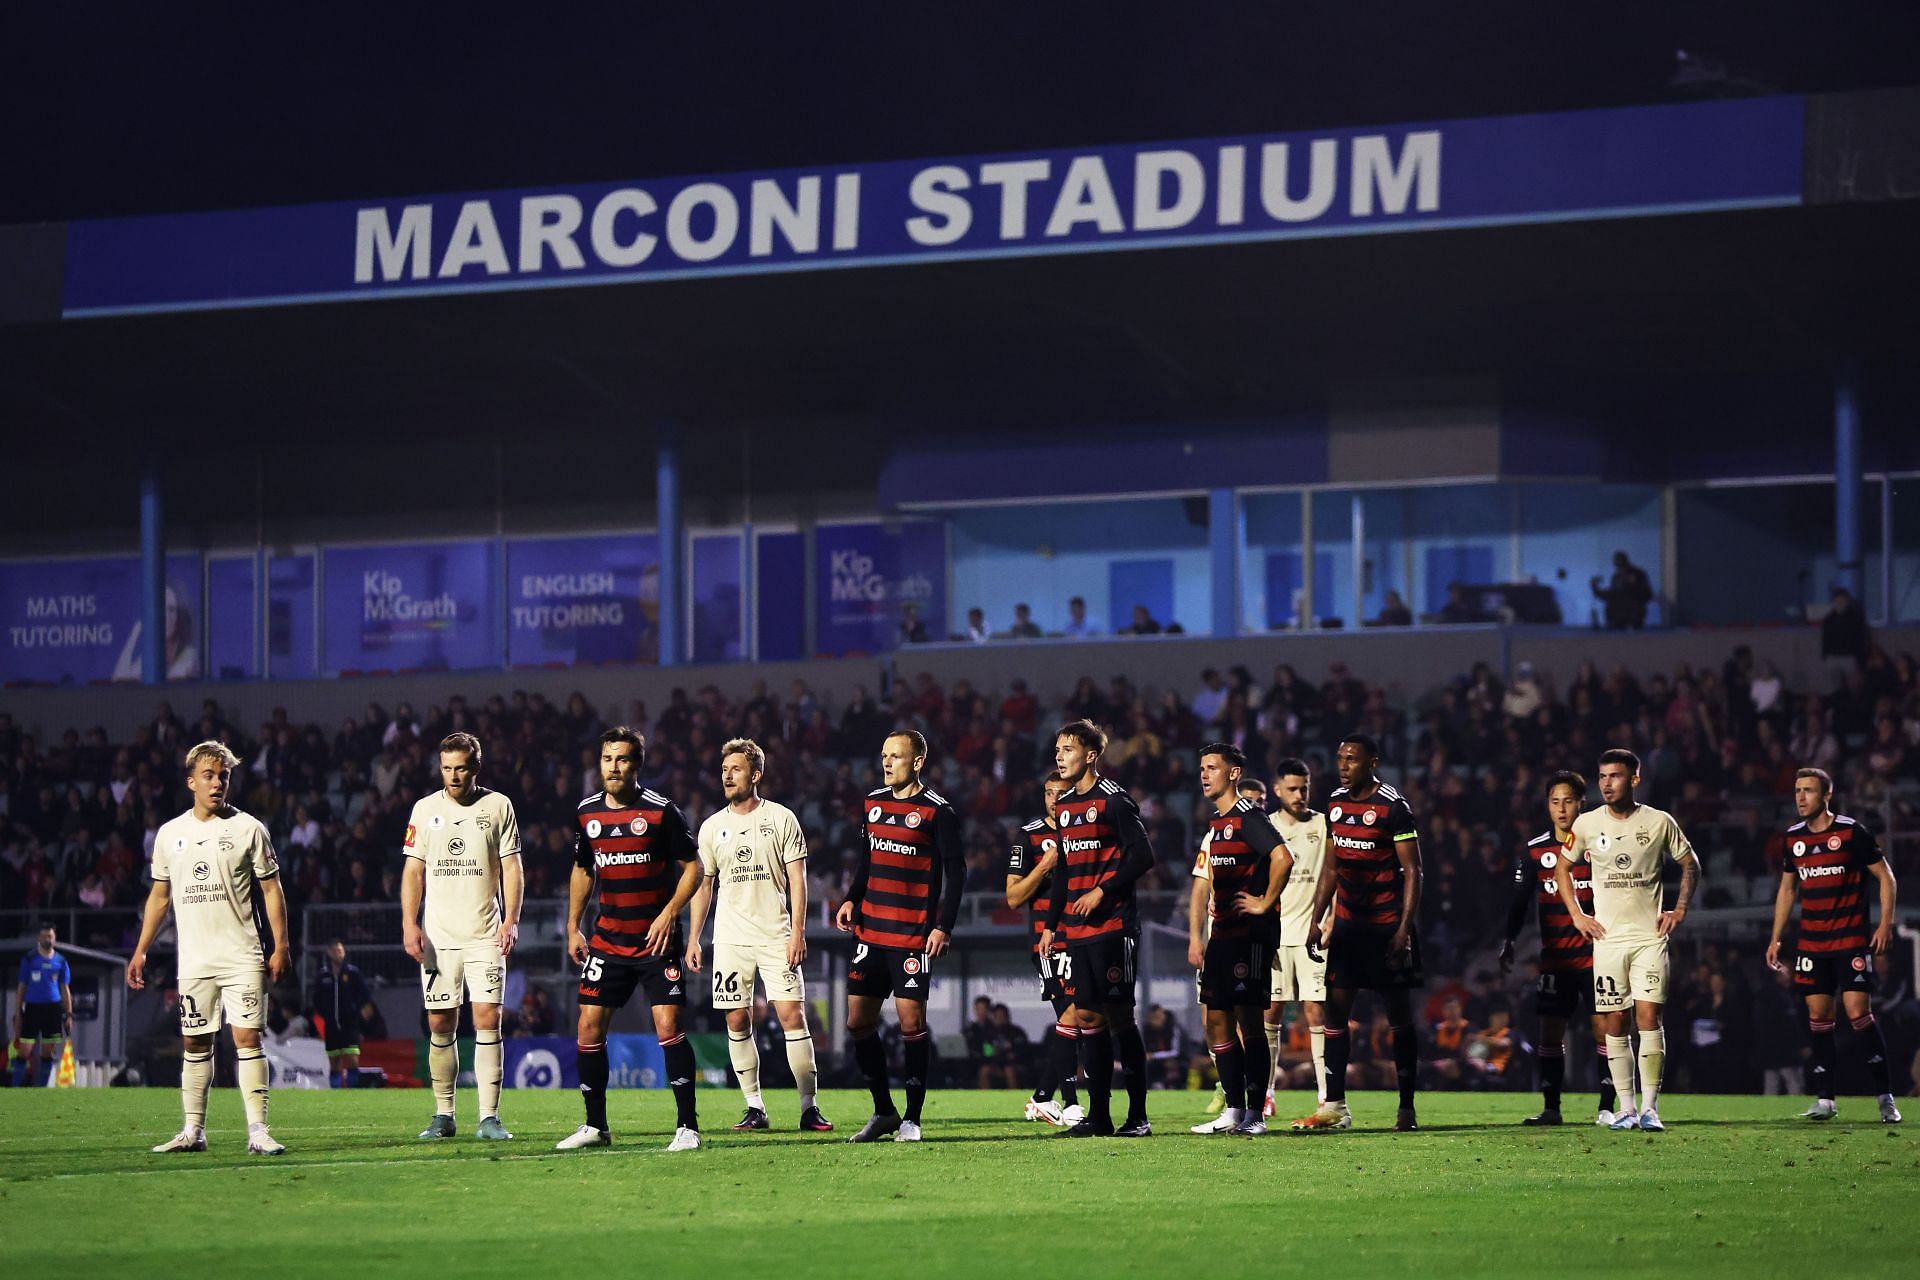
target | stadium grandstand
x=1515, y=428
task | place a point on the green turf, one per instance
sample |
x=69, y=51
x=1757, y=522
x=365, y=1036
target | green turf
x=1735, y=1186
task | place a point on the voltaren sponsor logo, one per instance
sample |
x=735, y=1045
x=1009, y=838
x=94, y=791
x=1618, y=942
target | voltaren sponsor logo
x=1348, y=842
x=621, y=859
x=1815, y=873
x=1082, y=846
x=884, y=845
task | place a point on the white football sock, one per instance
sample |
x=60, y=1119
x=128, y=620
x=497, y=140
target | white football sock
x=196, y=1076
x=1318, y=1035
x=806, y=1075
x=1620, y=1067
x=250, y=1072
x=745, y=1055
x=488, y=1067
x=443, y=1064
x=1276, y=1032
x=1653, y=1064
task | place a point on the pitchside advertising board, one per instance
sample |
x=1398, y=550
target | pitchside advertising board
x=432, y=607
x=553, y=1062
x=1483, y=172
x=78, y=621
x=870, y=577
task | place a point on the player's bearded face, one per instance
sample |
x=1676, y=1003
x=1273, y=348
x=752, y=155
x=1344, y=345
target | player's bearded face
x=456, y=773
x=1053, y=791
x=736, y=779
x=617, y=766
x=1293, y=796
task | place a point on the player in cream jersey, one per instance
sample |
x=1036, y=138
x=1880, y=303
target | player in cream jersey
x=214, y=866
x=753, y=855
x=1299, y=964
x=459, y=917
x=1626, y=845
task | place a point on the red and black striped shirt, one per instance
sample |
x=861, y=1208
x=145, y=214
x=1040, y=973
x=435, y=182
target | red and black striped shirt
x=1031, y=843
x=1103, y=845
x=636, y=853
x=1366, y=836
x=914, y=872
x=1239, y=855
x=1563, y=948
x=1831, y=867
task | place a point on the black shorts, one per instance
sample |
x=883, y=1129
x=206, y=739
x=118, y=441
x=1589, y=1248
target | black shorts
x=1357, y=959
x=1053, y=989
x=1820, y=973
x=1237, y=974
x=343, y=1039
x=42, y=1020
x=889, y=971
x=1099, y=970
x=1562, y=991
x=610, y=982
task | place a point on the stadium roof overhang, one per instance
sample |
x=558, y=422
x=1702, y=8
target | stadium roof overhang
x=1535, y=269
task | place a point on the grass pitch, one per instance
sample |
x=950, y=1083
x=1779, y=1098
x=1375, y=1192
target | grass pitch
x=1736, y=1186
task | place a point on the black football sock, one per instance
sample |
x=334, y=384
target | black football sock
x=593, y=1083
x=1337, y=1053
x=1099, y=1050
x=1553, y=1074
x=1820, y=1076
x=682, y=1076
x=871, y=1056
x=1874, y=1047
x=1133, y=1060
x=919, y=1054
x=1406, y=1061
x=1063, y=1059
x=1231, y=1063
x=1607, y=1096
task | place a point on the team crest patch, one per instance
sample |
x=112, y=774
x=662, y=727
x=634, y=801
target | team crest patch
x=1113, y=973
x=493, y=975
x=249, y=1001
x=1335, y=813
x=913, y=819
x=1833, y=843
x=1549, y=861
x=637, y=827
x=412, y=834
x=593, y=828
x=1643, y=838
x=1859, y=964
x=226, y=845
x=673, y=973
x=1370, y=817
x=911, y=964
x=1240, y=970
x=1226, y=832
x=1799, y=847
x=873, y=814
x=482, y=823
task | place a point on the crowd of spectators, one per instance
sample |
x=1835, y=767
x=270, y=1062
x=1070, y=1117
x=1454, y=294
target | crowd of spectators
x=1719, y=746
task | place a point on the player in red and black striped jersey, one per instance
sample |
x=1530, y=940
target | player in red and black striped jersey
x=633, y=846
x=1030, y=862
x=1104, y=851
x=1566, y=954
x=1237, y=879
x=1374, y=864
x=1829, y=858
x=901, y=907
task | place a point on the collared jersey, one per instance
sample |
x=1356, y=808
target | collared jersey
x=635, y=852
x=752, y=858
x=1094, y=830
x=213, y=870
x=1626, y=855
x=1032, y=842
x=1307, y=841
x=909, y=843
x=1366, y=836
x=462, y=847
x=43, y=976
x=1831, y=867
x=1234, y=857
x=1563, y=948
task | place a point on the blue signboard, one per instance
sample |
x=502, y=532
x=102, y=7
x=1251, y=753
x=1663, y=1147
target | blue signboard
x=718, y=609
x=78, y=621
x=874, y=580
x=292, y=610
x=575, y=600
x=1610, y=163
x=553, y=1062
x=432, y=607
x=233, y=617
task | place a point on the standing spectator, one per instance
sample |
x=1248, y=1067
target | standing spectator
x=340, y=998
x=1843, y=632
x=1627, y=596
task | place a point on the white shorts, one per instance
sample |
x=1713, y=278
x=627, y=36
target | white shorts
x=735, y=964
x=1628, y=971
x=1298, y=976
x=237, y=998
x=474, y=968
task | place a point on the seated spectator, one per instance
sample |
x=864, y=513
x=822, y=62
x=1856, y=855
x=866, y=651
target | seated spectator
x=1212, y=696
x=1447, y=1046
x=1490, y=1052
x=977, y=632
x=1024, y=627
x=1169, y=1052
x=1394, y=612
x=1078, y=625
x=913, y=630
x=1143, y=623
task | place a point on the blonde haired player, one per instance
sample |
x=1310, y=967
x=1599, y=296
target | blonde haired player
x=214, y=866
x=753, y=856
x=1625, y=844
x=463, y=876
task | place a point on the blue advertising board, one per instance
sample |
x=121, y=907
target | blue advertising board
x=553, y=1062
x=423, y=607
x=233, y=617
x=78, y=621
x=588, y=600
x=872, y=577
x=1611, y=163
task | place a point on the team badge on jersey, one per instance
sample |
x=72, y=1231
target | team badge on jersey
x=1859, y=964
x=1833, y=843
x=913, y=819
x=1370, y=817
x=673, y=973
x=1226, y=832
x=638, y=826
x=911, y=964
